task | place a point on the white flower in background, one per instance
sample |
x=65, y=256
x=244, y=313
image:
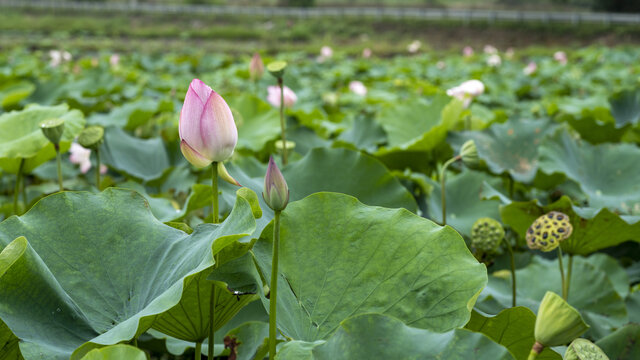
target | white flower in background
x=414, y=46
x=366, y=53
x=273, y=96
x=530, y=68
x=441, y=65
x=494, y=60
x=509, y=53
x=560, y=57
x=490, y=49
x=358, y=88
x=81, y=156
x=326, y=53
x=57, y=57
x=467, y=91
x=114, y=60
x=467, y=51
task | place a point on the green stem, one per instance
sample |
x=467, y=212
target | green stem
x=17, y=188
x=511, y=186
x=532, y=355
x=215, y=219
x=564, y=290
x=513, y=273
x=282, y=123
x=98, y=168
x=273, y=290
x=536, y=349
x=59, y=164
x=443, y=173
x=198, y=353
x=214, y=188
x=569, y=274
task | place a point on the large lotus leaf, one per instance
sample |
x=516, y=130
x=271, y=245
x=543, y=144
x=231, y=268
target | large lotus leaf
x=591, y=117
x=364, y=134
x=623, y=344
x=591, y=292
x=512, y=328
x=145, y=159
x=376, y=336
x=9, y=344
x=625, y=107
x=116, y=352
x=257, y=121
x=465, y=200
x=14, y=92
x=510, y=147
x=608, y=173
x=129, y=115
x=104, y=276
x=593, y=229
x=21, y=137
x=366, y=259
x=337, y=170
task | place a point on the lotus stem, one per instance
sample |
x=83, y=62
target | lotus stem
x=513, y=273
x=443, y=173
x=273, y=290
x=215, y=219
x=198, y=354
x=536, y=349
x=98, y=168
x=569, y=273
x=17, y=188
x=564, y=289
x=282, y=123
x=214, y=188
x=59, y=165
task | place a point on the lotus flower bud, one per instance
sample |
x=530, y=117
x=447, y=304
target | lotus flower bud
x=558, y=323
x=469, y=154
x=276, y=191
x=273, y=96
x=91, y=137
x=276, y=68
x=486, y=234
x=53, y=129
x=548, y=231
x=207, y=130
x=583, y=349
x=256, y=67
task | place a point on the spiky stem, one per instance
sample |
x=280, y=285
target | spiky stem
x=564, y=289
x=59, y=165
x=513, y=273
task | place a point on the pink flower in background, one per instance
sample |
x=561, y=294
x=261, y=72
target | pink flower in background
x=441, y=65
x=326, y=53
x=467, y=91
x=494, y=60
x=81, y=156
x=273, y=96
x=530, y=68
x=358, y=88
x=560, y=57
x=256, y=67
x=414, y=46
x=490, y=49
x=366, y=53
x=57, y=57
x=467, y=51
x=114, y=60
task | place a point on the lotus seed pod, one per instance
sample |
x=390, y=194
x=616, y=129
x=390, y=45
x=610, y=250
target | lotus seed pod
x=486, y=234
x=583, y=349
x=548, y=231
x=557, y=323
x=469, y=154
x=276, y=68
x=91, y=137
x=52, y=129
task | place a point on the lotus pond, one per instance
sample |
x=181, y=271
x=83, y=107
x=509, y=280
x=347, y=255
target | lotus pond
x=115, y=246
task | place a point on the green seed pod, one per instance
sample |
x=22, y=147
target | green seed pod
x=91, y=137
x=557, y=322
x=548, y=231
x=52, y=129
x=276, y=68
x=486, y=234
x=583, y=349
x=469, y=154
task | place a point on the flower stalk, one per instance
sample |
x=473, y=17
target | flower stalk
x=443, y=192
x=215, y=219
x=17, y=188
x=273, y=289
x=59, y=166
x=513, y=272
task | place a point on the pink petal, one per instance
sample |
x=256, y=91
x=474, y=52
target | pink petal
x=218, y=129
x=193, y=156
x=201, y=89
x=189, y=126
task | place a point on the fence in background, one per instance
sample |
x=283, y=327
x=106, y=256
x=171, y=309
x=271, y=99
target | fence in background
x=336, y=12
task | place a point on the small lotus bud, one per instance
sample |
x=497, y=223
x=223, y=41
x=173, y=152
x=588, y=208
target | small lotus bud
x=558, y=323
x=583, y=349
x=256, y=67
x=469, y=154
x=548, y=231
x=486, y=234
x=52, y=129
x=276, y=191
x=276, y=68
x=91, y=137
x=273, y=96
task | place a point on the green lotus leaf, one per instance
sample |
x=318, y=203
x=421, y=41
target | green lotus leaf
x=593, y=229
x=116, y=352
x=376, y=336
x=9, y=344
x=12, y=93
x=104, y=276
x=465, y=200
x=145, y=159
x=22, y=138
x=366, y=259
x=510, y=147
x=512, y=328
x=127, y=116
x=608, y=173
x=622, y=344
x=602, y=309
x=625, y=107
x=257, y=121
x=592, y=119
x=364, y=134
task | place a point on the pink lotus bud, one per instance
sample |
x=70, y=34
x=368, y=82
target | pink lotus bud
x=114, y=60
x=276, y=191
x=207, y=130
x=326, y=52
x=560, y=57
x=467, y=51
x=467, y=91
x=530, y=68
x=358, y=88
x=273, y=96
x=80, y=156
x=256, y=67
x=366, y=53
